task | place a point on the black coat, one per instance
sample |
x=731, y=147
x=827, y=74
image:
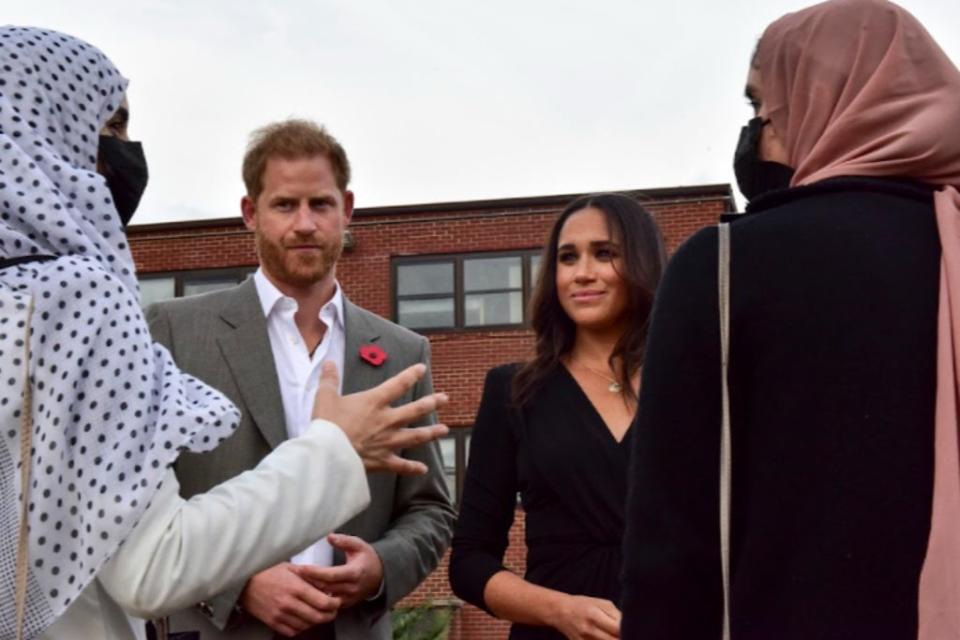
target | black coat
x=834, y=297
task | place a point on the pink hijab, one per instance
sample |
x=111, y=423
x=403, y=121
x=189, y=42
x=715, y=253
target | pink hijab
x=858, y=87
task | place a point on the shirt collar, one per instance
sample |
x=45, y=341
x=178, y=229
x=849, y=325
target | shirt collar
x=270, y=296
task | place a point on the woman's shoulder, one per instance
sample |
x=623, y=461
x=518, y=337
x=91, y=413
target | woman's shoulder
x=504, y=371
x=501, y=381
x=498, y=384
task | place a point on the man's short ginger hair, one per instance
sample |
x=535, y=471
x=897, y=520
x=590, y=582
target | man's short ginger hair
x=291, y=140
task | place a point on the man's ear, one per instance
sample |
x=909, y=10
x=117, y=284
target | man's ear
x=249, y=210
x=347, y=207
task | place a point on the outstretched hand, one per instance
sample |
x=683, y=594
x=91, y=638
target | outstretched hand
x=375, y=428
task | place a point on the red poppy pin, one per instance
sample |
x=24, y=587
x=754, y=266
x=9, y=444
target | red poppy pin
x=373, y=355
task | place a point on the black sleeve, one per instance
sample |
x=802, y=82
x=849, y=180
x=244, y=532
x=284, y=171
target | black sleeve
x=489, y=494
x=671, y=577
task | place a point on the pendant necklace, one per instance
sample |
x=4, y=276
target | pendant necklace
x=613, y=387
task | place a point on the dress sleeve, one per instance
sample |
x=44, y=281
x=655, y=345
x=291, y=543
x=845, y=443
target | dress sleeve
x=184, y=551
x=489, y=494
x=671, y=578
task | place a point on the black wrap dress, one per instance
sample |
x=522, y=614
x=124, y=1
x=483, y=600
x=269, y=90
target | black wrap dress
x=571, y=474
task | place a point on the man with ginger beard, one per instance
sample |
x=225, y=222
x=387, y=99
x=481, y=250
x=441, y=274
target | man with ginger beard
x=262, y=343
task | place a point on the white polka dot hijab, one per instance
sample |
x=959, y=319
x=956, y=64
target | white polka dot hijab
x=110, y=410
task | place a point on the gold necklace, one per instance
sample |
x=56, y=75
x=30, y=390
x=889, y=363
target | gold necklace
x=614, y=386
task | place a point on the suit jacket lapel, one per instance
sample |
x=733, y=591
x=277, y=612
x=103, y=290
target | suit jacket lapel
x=246, y=348
x=358, y=374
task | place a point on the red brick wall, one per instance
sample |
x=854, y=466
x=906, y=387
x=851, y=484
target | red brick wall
x=182, y=249
x=460, y=359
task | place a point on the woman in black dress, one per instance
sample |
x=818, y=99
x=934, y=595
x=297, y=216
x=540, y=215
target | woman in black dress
x=555, y=429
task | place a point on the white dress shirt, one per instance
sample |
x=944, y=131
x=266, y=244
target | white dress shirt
x=298, y=371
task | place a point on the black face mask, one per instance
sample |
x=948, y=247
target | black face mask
x=755, y=176
x=125, y=170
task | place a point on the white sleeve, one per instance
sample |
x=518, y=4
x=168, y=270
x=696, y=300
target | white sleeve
x=184, y=551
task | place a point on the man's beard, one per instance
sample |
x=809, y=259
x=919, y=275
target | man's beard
x=299, y=269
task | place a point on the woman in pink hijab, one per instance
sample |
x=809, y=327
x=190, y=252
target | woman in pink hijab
x=844, y=347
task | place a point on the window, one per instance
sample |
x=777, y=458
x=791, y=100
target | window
x=493, y=291
x=455, y=452
x=534, y=267
x=425, y=294
x=159, y=287
x=467, y=291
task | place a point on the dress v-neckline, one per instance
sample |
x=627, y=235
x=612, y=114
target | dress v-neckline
x=595, y=412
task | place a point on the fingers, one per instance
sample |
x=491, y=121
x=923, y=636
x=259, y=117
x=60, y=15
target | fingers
x=286, y=602
x=312, y=573
x=397, y=386
x=392, y=463
x=329, y=375
x=328, y=575
x=328, y=385
x=607, y=619
x=413, y=411
x=346, y=591
x=309, y=608
x=346, y=543
x=382, y=455
x=413, y=437
x=396, y=464
x=320, y=604
x=611, y=610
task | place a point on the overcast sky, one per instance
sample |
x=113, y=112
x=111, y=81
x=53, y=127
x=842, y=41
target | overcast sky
x=437, y=100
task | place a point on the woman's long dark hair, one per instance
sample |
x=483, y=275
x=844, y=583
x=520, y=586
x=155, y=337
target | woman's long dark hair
x=643, y=256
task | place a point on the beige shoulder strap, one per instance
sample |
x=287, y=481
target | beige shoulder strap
x=26, y=444
x=723, y=282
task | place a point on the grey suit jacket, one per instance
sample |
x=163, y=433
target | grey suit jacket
x=221, y=338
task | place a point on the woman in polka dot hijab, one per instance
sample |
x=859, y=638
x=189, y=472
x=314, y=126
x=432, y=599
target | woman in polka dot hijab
x=110, y=411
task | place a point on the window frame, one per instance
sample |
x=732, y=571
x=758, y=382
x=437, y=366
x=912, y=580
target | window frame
x=460, y=436
x=460, y=293
x=181, y=278
x=395, y=288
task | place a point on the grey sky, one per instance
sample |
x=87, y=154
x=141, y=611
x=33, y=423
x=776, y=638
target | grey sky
x=437, y=100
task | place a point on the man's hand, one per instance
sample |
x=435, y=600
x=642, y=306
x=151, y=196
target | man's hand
x=358, y=579
x=375, y=429
x=285, y=602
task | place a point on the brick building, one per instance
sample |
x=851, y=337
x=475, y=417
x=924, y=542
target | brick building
x=459, y=273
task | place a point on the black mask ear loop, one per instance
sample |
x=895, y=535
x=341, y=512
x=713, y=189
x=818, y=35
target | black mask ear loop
x=125, y=170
